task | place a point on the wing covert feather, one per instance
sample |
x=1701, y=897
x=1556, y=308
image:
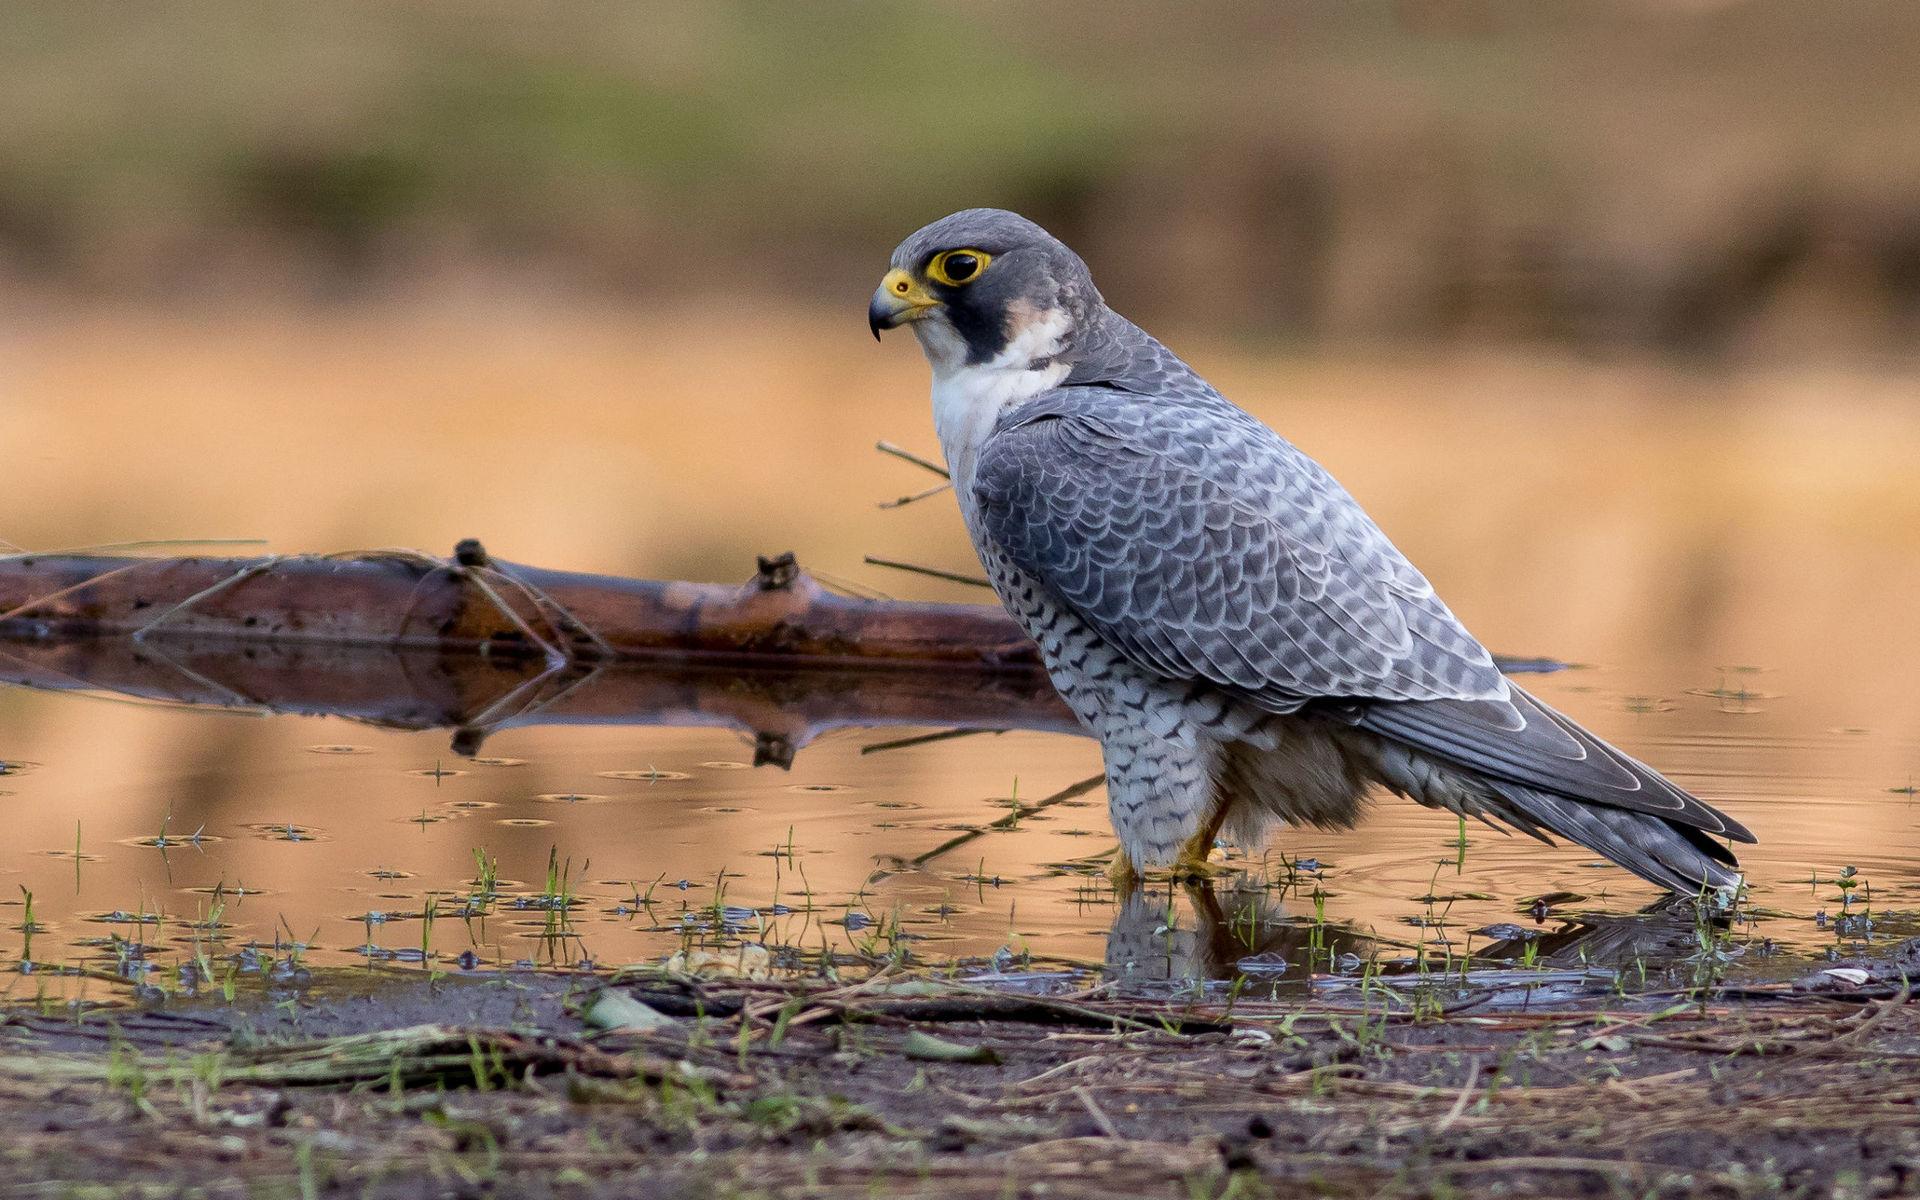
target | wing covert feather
x=1208, y=549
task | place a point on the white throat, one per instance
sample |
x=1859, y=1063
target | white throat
x=968, y=399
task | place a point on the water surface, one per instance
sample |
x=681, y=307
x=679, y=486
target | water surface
x=1734, y=560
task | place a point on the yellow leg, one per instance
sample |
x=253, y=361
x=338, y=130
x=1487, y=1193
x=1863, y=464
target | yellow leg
x=1122, y=874
x=1192, y=863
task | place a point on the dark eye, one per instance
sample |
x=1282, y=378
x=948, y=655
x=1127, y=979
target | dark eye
x=955, y=267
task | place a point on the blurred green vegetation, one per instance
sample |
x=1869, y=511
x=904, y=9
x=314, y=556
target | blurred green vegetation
x=1698, y=175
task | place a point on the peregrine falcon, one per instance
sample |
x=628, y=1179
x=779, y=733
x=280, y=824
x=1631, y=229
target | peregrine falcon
x=1240, y=636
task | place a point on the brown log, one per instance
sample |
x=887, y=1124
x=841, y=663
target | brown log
x=476, y=645
x=473, y=644
x=475, y=604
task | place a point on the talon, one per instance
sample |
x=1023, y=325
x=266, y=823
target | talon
x=1190, y=869
x=1192, y=862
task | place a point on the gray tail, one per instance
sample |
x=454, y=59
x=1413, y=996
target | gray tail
x=1674, y=855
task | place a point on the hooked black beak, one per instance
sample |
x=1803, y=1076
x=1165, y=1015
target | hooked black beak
x=899, y=298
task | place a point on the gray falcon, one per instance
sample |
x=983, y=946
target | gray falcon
x=1241, y=637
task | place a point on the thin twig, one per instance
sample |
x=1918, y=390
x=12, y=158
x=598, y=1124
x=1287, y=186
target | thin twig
x=848, y=587
x=903, y=501
x=557, y=614
x=83, y=585
x=554, y=655
x=1858, y=1034
x=1100, y=1118
x=935, y=572
x=1466, y=1094
x=245, y=573
x=560, y=621
x=1007, y=822
x=147, y=544
x=910, y=456
x=945, y=735
x=987, y=999
x=1065, y=1068
x=1559, y=1163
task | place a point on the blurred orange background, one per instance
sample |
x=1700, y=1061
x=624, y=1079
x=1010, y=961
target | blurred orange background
x=1607, y=312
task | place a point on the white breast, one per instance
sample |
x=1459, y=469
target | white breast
x=967, y=400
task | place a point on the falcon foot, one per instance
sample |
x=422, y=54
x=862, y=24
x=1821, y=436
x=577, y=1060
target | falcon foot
x=1194, y=868
x=1192, y=865
x=1122, y=874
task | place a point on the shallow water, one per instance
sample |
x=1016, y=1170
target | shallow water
x=337, y=835
x=1737, y=557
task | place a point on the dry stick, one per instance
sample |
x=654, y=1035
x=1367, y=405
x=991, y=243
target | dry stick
x=557, y=614
x=554, y=655
x=84, y=584
x=1007, y=822
x=1466, y=1094
x=146, y=544
x=245, y=573
x=945, y=735
x=915, y=459
x=1080, y=1093
x=830, y=1003
x=903, y=501
x=1558, y=1163
x=1859, y=1032
x=929, y=465
x=848, y=587
x=935, y=572
x=1163, y=1022
x=1072, y=1064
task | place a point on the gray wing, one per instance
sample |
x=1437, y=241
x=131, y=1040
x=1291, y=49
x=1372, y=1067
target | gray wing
x=1207, y=548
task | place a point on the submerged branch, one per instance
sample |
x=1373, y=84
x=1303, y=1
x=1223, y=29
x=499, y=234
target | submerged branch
x=1070, y=792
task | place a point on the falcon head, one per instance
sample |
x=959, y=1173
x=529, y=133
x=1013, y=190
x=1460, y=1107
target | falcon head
x=982, y=281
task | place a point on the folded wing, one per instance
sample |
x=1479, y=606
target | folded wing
x=1209, y=550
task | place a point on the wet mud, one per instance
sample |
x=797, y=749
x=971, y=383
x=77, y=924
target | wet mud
x=978, y=1084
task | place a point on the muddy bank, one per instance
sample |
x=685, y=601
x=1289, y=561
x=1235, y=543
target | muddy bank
x=516, y=1086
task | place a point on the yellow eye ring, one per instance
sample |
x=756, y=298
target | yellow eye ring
x=954, y=268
